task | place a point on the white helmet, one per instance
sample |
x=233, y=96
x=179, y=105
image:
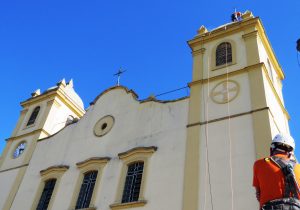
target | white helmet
x=284, y=139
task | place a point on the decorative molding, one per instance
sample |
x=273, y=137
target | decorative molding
x=225, y=92
x=117, y=206
x=54, y=169
x=137, y=150
x=199, y=51
x=27, y=134
x=9, y=169
x=232, y=73
x=93, y=160
x=227, y=117
x=253, y=34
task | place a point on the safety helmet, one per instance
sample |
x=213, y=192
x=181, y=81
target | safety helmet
x=285, y=139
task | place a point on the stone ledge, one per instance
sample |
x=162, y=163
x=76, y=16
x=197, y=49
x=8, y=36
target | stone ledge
x=117, y=206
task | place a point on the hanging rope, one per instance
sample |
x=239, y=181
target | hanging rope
x=229, y=130
x=207, y=166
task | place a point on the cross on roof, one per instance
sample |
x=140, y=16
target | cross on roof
x=118, y=74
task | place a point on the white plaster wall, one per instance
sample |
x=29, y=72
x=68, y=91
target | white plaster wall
x=6, y=182
x=57, y=117
x=136, y=125
x=231, y=154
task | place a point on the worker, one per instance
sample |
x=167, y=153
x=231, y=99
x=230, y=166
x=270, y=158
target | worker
x=236, y=16
x=276, y=177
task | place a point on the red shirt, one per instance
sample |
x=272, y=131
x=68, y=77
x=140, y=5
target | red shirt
x=269, y=179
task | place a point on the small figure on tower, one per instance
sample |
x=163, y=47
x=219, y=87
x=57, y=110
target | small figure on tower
x=236, y=16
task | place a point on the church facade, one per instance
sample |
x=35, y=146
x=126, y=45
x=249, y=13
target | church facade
x=191, y=153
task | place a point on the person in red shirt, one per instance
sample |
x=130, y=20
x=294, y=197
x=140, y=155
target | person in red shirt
x=268, y=179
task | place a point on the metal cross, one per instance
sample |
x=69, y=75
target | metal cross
x=118, y=74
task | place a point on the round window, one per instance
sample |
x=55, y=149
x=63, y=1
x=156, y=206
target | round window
x=104, y=125
x=19, y=149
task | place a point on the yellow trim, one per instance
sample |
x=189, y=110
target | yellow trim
x=275, y=92
x=91, y=164
x=28, y=134
x=51, y=96
x=255, y=67
x=44, y=97
x=222, y=76
x=72, y=106
x=137, y=151
x=20, y=121
x=14, y=189
x=5, y=152
x=53, y=172
x=246, y=26
x=9, y=169
x=118, y=206
x=138, y=154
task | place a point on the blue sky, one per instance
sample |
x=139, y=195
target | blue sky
x=42, y=42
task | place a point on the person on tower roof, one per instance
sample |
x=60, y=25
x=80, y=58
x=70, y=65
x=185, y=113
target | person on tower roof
x=276, y=177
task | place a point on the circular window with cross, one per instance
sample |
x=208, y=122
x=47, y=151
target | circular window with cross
x=104, y=125
x=225, y=91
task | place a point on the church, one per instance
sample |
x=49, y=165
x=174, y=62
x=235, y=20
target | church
x=191, y=153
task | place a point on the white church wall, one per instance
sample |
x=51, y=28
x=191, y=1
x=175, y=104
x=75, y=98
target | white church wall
x=6, y=182
x=227, y=164
x=136, y=125
x=57, y=117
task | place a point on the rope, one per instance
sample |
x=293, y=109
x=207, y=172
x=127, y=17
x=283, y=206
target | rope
x=207, y=166
x=229, y=131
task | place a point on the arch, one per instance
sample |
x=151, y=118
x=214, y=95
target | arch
x=33, y=116
x=223, y=54
x=219, y=52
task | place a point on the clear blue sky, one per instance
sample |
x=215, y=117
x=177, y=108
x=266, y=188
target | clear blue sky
x=42, y=42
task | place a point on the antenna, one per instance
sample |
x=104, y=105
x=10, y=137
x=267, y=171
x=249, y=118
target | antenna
x=118, y=74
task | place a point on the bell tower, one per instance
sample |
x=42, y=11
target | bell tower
x=236, y=107
x=42, y=115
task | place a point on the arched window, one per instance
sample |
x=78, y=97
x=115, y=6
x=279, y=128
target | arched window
x=86, y=190
x=46, y=194
x=33, y=116
x=133, y=182
x=223, y=54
